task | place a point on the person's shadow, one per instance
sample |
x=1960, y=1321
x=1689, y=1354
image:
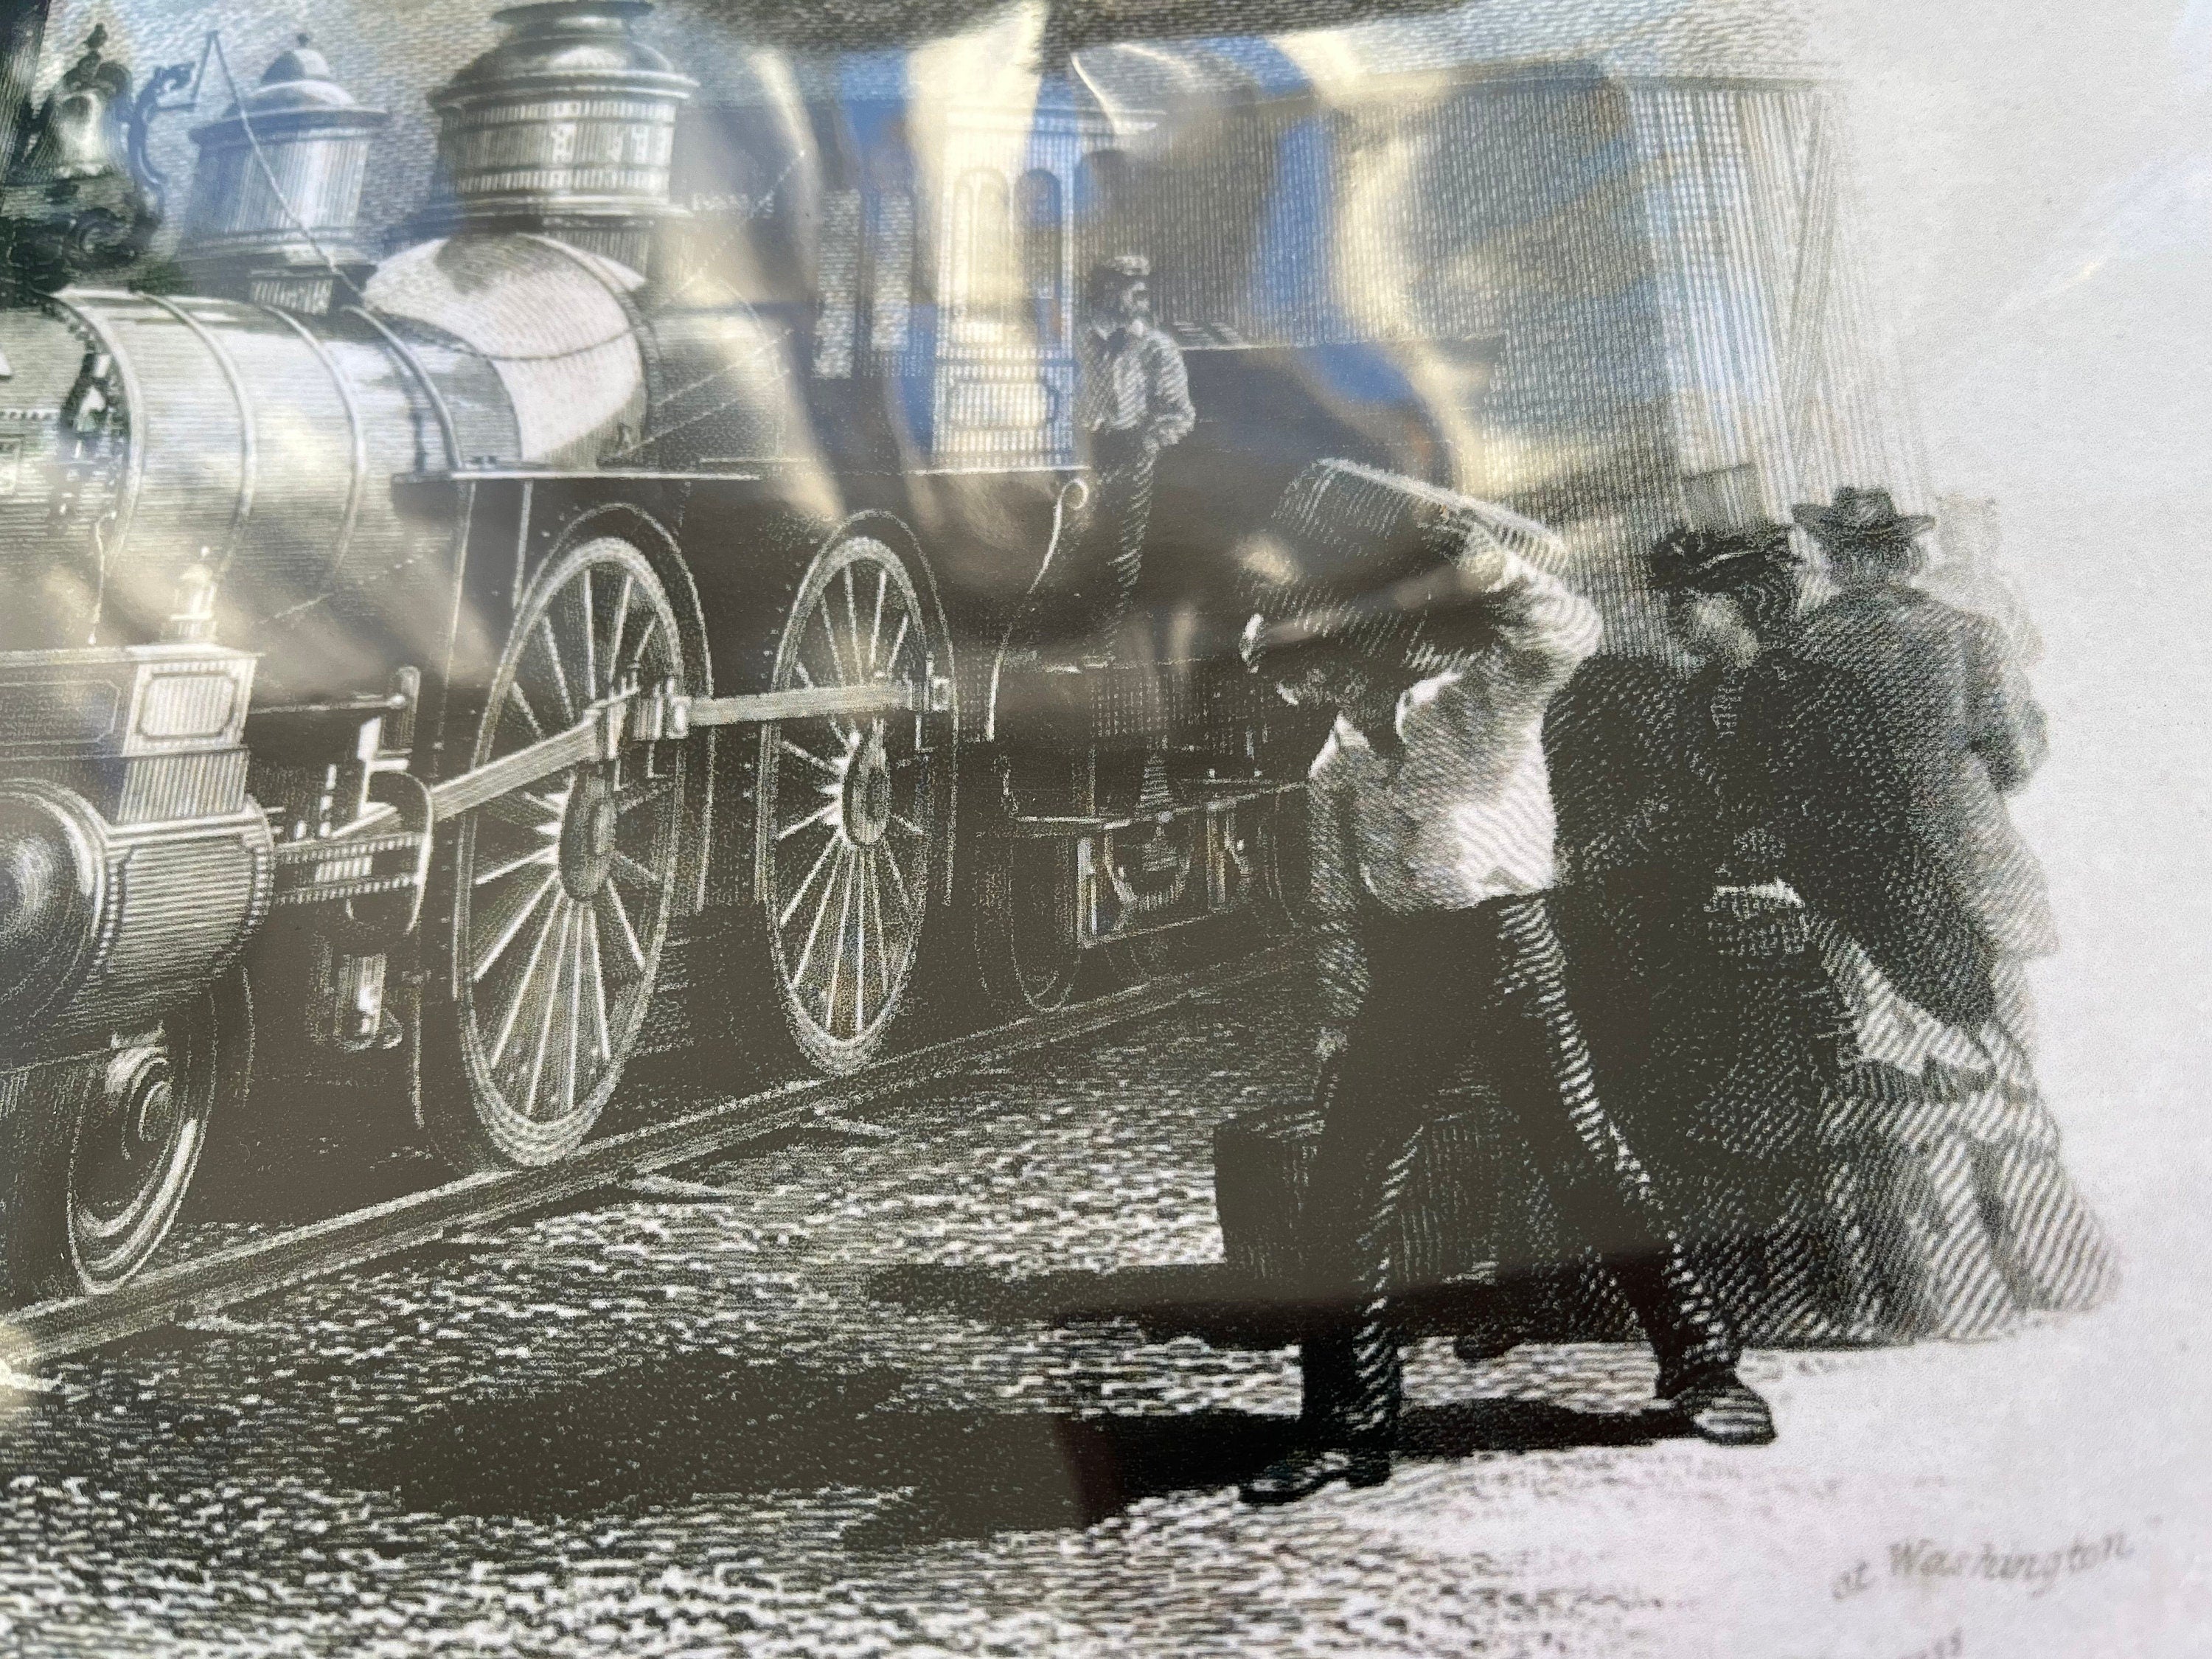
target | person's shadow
x=1559, y=1302
x=702, y=1426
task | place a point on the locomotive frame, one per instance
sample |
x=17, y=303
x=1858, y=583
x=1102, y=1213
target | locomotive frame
x=604, y=661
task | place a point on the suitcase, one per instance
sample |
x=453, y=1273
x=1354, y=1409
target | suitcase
x=1443, y=1231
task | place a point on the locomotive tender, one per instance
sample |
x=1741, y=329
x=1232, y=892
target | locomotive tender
x=397, y=652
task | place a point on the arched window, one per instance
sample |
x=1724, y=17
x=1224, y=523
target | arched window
x=1043, y=291
x=982, y=272
x=1102, y=186
x=890, y=240
x=890, y=247
x=837, y=283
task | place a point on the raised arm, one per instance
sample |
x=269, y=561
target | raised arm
x=1546, y=628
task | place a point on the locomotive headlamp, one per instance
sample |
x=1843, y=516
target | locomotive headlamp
x=51, y=874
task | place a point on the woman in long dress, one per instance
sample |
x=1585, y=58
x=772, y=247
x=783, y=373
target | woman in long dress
x=1793, y=1009
x=1711, y=1014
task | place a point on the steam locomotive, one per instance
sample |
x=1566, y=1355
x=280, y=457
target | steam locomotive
x=399, y=652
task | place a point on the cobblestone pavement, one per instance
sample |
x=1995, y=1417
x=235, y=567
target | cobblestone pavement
x=959, y=1391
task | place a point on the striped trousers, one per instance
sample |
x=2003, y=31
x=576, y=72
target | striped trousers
x=1448, y=988
x=1110, y=557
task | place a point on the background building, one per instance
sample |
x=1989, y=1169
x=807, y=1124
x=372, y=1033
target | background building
x=1596, y=262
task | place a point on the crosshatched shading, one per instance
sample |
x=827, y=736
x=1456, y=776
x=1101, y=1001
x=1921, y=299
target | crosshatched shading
x=609, y=558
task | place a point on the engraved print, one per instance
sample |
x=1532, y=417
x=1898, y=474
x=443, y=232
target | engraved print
x=1103, y=827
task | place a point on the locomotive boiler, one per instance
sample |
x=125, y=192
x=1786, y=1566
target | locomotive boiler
x=399, y=653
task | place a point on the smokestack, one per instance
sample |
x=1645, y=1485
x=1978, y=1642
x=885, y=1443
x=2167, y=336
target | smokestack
x=276, y=199
x=567, y=127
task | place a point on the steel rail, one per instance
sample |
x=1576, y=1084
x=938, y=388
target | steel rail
x=243, y=1273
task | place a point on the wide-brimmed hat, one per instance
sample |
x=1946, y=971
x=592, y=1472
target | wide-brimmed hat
x=1859, y=515
x=1716, y=561
x=1360, y=561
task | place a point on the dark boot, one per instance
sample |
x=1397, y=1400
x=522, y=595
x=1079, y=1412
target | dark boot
x=1720, y=1408
x=1304, y=1471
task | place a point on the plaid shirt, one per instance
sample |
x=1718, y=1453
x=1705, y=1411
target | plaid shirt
x=1130, y=378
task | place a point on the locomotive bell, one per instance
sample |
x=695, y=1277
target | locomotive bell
x=567, y=127
x=276, y=202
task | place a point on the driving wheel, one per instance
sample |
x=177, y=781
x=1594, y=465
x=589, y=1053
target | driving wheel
x=563, y=889
x=855, y=813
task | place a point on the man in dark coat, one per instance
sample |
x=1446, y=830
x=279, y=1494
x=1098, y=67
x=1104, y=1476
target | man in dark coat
x=1953, y=707
x=1706, y=825
x=1804, y=780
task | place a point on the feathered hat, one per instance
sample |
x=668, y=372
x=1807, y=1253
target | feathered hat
x=1716, y=561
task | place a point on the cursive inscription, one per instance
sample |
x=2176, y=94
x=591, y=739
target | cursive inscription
x=1923, y=1560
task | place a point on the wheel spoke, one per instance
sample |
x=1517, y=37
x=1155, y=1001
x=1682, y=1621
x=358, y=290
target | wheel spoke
x=545, y=1020
x=645, y=638
x=799, y=895
x=898, y=643
x=822, y=815
x=821, y=914
x=808, y=756
x=845, y=734
x=528, y=978
x=629, y=932
x=829, y=636
x=624, y=865
x=509, y=923
x=520, y=704
x=559, y=674
x=883, y=936
x=901, y=821
x=861, y=879
x=876, y=622
x=644, y=794
x=547, y=854
x=862, y=668
x=837, y=949
x=603, y=1043
x=521, y=809
x=621, y=622
x=898, y=886
x=575, y=950
x=592, y=686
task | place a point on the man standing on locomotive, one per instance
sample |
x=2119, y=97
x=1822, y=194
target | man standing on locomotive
x=1432, y=829
x=1132, y=400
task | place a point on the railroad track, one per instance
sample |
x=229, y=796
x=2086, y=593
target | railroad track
x=242, y=1273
